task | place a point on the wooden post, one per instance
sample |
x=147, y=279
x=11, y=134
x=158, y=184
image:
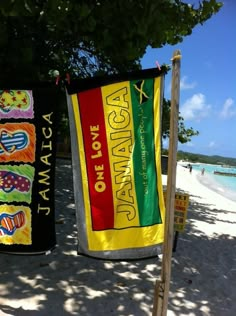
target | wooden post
x=162, y=287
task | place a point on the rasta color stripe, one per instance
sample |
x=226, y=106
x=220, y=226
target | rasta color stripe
x=144, y=151
x=118, y=142
x=120, y=137
x=97, y=160
x=117, y=124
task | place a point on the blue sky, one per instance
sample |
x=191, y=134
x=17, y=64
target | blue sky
x=208, y=82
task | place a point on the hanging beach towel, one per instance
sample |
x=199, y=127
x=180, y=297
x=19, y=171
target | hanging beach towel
x=115, y=133
x=27, y=167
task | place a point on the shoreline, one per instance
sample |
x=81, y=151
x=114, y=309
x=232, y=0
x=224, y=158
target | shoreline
x=215, y=186
x=206, y=197
x=209, y=183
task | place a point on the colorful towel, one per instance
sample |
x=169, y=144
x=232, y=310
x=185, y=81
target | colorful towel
x=115, y=130
x=27, y=167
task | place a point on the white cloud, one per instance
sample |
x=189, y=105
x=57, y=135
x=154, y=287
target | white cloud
x=184, y=85
x=212, y=144
x=189, y=144
x=229, y=109
x=195, y=108
x=165, y=142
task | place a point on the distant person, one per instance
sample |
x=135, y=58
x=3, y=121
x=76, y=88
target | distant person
x=190, y=168
x=203, y=171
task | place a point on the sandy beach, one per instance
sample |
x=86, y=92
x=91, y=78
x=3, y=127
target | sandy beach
x=62, y=283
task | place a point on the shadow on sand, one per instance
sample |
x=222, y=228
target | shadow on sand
x=64, y=283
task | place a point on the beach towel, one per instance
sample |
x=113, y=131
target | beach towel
x=115, y=134
x=27, y=167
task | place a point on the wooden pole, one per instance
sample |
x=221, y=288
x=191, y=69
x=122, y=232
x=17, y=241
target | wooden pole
x=162, y=287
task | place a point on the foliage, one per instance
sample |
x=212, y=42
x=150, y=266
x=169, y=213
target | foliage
x=184, y=134
x=91, y=37
x=87, y=37
x=182, y=155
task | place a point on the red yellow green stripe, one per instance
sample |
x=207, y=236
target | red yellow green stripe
x=115, y=119
x=142, y=92
x=120, y=136
x=97, y=160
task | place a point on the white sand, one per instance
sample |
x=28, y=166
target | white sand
x=63, y=283
x=204, y=266
x=213, y=201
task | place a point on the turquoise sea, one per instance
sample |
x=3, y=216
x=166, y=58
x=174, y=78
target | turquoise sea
x=224, y=185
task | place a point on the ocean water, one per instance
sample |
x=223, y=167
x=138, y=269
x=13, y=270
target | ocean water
x=224, y=185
